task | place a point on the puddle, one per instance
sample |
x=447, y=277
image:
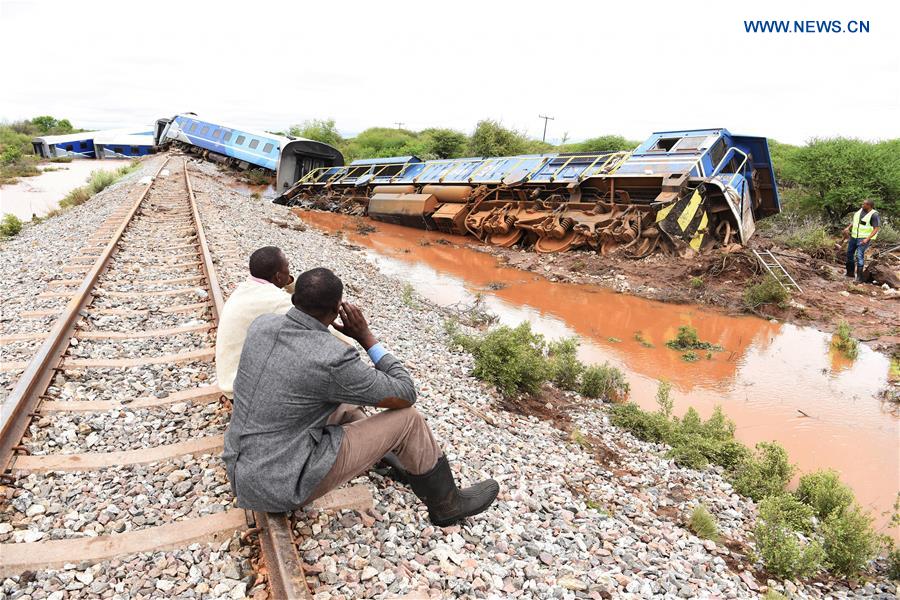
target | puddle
x=40, y=194
x=767, y=374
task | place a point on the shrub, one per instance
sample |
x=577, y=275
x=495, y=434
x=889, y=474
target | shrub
x=565, y=368
x=10, y=155
x=893, y=570
x=696, y=282
x=687, y=339
x=844, y=342
x=765, y=291
x=888, y=234
x=766, y=473
x=511, y=359
x=824, y=492
x=647, y=426
x=257, y=177
x=407, y=296
x=703, y=524
x=785, y=553
x=604, y=381
x=790, y=511
x=78, y=196
x=10, y=225
x=664, y=398
x=849, y=541
x=639, y=337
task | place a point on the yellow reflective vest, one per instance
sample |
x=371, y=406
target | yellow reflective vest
x=862, y=227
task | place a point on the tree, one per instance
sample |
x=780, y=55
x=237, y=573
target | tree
x=837, y=174
x=492, y=139
x=444, y=143
x=383, y=142
x=320, y=130
x=604, y=143
x=44, y=123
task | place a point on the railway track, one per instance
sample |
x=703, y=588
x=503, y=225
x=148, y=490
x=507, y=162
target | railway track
x=126, y=368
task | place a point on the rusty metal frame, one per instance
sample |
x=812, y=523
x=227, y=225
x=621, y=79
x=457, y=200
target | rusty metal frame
x=16, y=411
x=285, y=570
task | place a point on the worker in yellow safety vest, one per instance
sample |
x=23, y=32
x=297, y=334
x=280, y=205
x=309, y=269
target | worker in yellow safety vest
x=862, y=230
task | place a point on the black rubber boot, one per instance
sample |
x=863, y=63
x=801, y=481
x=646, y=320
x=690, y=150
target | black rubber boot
x=447, y=504
x=390, y=466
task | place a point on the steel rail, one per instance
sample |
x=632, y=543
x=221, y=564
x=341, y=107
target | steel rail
x=285, y=571
x=18, y=408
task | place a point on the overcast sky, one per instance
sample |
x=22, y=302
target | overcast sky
x=598, y=67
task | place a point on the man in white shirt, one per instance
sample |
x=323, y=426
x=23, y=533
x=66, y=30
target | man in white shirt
x=268, y=291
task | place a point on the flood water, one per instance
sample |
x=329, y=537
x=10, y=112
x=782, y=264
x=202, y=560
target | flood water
x=767, y=374
x=40, y=194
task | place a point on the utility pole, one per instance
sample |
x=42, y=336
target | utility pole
x=545, y=118
x=399, y=124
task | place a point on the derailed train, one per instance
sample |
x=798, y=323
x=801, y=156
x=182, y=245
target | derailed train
x=676, y=192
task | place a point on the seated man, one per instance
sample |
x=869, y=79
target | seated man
x=280, y=450
x=268, y=290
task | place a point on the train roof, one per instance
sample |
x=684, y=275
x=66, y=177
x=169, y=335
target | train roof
x=69, y=137
x=124, y=138
x=257, y=132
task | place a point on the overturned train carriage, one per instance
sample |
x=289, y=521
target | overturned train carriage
x=679, y=191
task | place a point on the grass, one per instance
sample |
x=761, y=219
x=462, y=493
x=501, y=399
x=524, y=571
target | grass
x=10, y=225
x=811, y=236
x=639, y=338
x=258, y=177
x=62, y=159
x=10, y=172
x=696, y=283
x=843, y=341
x=765, y=291
x=408, y=296
x=703, y=524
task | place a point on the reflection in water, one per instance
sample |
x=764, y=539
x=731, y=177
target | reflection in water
x=776, y=381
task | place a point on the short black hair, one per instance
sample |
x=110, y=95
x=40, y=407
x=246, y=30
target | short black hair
x=317, y=292
x=266, y=262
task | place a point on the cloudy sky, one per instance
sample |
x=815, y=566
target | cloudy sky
x=597, y=67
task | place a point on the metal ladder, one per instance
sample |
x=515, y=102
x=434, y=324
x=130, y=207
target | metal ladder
x=776, y=270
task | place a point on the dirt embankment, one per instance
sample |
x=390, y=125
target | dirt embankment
x=720, y=277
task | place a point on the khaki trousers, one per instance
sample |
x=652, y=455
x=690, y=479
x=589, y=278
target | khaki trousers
x=367, y=439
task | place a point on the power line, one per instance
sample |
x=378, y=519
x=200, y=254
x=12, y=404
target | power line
x=545, y=118
x=399, y=124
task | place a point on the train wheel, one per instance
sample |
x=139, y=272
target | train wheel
x=546, y=245
x=506, y=240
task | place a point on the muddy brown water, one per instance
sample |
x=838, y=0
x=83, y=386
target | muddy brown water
x=765, y=376
x=40, y=194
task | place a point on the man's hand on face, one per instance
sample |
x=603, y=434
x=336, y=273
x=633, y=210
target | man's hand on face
x=353, y=324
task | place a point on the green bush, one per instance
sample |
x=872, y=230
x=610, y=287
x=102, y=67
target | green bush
x=784, y=552
x=766, y=473
x=647, y=426
x=687, y=339
x=888, y=234
x=849, y=541
x=565, y=368
x=511, y=359
x=696, y=282
x=843, y=341
x=703, y=524
x=11, y=155
x=790, y=510
x=765, y=291
x=824, y=492
x=604, y=381
x=893, y=558
x=10, y=225
x=810, y=236
x=664, y=398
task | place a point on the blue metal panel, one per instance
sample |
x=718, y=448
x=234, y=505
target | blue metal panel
x=192, y=129
x=76, y=148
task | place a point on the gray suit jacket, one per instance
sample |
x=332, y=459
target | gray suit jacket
x=292, y=375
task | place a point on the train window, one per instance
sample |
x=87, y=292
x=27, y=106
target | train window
x=69, y=147
x=194, y=128
x=117, y=149
x=83, y=145
x=240, y=140
x=254, y=144
x=204, y=131
x=267, y=148
x=664, y=144
x=217, y=133
x=226, y=136
x=135, y=150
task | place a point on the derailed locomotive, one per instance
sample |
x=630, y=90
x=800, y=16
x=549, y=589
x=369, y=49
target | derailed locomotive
x=679, y=191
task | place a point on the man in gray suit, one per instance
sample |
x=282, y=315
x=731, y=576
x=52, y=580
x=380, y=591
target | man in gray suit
x=287, y=443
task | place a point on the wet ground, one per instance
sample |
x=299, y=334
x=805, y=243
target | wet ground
x=40, y=194
x=776, y=381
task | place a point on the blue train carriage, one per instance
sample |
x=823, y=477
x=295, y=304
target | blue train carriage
x=75, y=145
x=119, y=144
x=289, y=158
